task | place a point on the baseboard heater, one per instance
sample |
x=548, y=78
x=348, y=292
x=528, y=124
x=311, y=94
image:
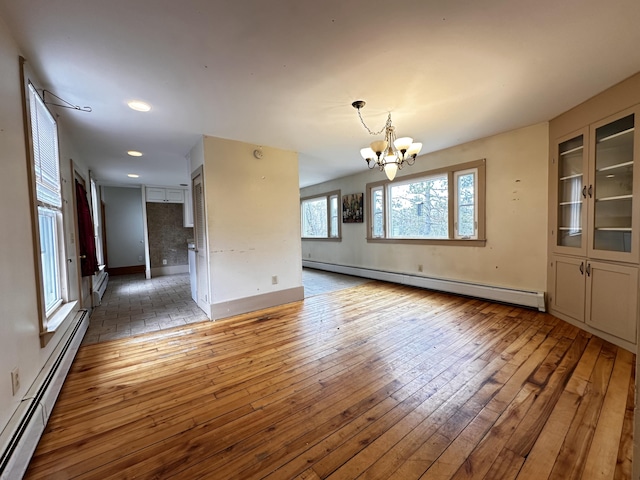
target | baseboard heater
x=100, y=281
x=497, y=294
x=21, y=435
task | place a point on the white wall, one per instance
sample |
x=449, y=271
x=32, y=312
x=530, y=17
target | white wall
x=124, y=226
x=516, y=218
x=196, y=157
x=253, y=220
x=19, y=330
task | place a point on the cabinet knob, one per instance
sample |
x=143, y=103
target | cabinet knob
x=584, y=191
x=581, y=268
x=588, y=269
x=590, y=191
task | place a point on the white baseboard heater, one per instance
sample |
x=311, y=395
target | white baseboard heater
x=99, y=286
x=497, y=294
x=20, y=437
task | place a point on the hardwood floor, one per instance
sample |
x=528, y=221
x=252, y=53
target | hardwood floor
x=376, y=381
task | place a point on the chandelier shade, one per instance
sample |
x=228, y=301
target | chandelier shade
x=391, y=154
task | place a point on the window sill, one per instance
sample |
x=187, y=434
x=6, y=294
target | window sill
x=324, y=239
x=430, y=241
x=65, y=311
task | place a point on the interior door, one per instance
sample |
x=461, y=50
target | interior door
x=85, y=283
x=200, y=234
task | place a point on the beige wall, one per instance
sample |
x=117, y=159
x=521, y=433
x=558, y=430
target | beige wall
x=253, y=220
x=19, y=332
x=516, y=205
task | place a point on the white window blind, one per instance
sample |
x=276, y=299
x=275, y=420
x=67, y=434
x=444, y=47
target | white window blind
x=45, y=152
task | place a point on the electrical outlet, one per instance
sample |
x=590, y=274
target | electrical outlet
x=164, y=261
x=15, y=380
x=139, y=258
x=419, y=268
x=274, y=280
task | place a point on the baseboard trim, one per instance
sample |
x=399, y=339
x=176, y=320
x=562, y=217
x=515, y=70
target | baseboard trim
x=598, y=333
x=169, y=270
x=20, y=438
x=256, y=302
x=130, y=270
x=488, y=292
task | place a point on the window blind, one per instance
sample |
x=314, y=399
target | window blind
x=45, y=151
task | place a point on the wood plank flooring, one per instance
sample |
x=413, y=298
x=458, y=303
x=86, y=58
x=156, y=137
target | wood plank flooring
x=373, y=382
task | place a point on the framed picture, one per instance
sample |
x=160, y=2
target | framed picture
x=352, y=208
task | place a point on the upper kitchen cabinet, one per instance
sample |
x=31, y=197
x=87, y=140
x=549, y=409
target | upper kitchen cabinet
x=596, y=192
x=166, y=195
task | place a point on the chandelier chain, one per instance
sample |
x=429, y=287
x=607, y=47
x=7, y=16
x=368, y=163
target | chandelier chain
x=383, y=129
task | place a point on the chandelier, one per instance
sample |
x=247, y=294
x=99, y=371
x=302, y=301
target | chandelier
x=390, y=154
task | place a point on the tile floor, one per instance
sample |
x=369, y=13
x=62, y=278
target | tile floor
x=133, y=305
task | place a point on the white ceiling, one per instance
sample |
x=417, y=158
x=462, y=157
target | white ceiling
x=283, y=73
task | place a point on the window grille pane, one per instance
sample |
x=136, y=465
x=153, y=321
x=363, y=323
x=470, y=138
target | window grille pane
x=95, y=210
x=419, y=209
x=334, y=215
x=49, y=257
x=314, y=218
x=377, y=211
x=466, y=208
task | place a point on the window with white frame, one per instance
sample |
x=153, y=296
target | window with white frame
x=320, y=216
x=48, y=196
x=466, y=204
x=95, y=213
x=446, y=204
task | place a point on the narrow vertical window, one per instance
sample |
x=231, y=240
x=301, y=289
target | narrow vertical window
x=377, y=212
x=333, y=215
x=95, y=212
x=48, y=197
x=466, y=213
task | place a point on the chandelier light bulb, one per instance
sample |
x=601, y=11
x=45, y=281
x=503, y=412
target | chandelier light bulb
x=367, y=153
x=403, y=143
x=379, y=146
x=414, y=149
x=390, y=169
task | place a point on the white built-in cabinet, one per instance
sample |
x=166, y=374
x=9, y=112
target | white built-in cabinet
x=594, y=215
x=166, y=195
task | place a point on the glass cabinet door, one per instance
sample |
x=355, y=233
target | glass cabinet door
x=612, y=189
x=571, y=192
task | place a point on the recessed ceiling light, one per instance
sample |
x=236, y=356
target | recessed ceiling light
x=134, y=153
x=133, y=175
x=139, y=105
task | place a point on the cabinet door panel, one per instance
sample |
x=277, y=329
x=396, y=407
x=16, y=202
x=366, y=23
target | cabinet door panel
x=155, y=194
x=612, y=292
x=569, y=170
x=613, y=204
x=569, y=286
x=175, y=195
